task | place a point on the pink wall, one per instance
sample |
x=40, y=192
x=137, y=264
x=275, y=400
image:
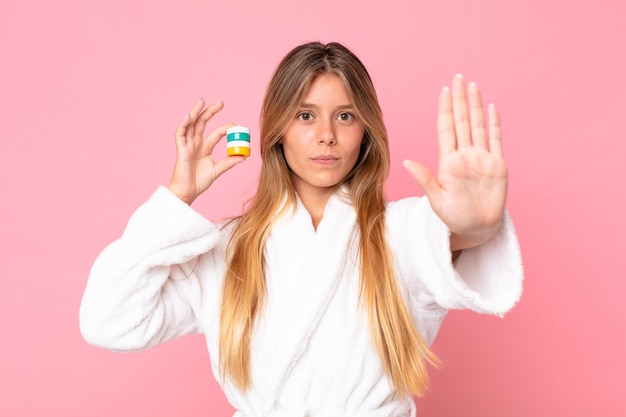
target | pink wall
x=90, y=96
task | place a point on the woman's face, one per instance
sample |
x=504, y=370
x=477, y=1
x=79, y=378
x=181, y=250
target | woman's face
x=323, y=141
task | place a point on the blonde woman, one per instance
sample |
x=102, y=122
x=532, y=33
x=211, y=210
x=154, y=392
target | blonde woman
x=322, y=299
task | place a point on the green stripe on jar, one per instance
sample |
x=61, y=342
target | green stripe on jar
x=238, y=133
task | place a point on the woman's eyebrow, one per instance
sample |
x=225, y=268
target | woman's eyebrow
x=315, y=106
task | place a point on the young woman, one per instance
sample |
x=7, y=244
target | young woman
x=322, y=299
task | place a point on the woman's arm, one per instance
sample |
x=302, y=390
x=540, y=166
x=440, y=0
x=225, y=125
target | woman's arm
x=146, y=287
x=486, y=278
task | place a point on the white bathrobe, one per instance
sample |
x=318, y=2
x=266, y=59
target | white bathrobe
x=312, y=353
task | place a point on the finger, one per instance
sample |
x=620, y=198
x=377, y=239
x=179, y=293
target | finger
x=425, y=179
x=460, y=112
x=214, y=137
x=495, y=134
x=181, y=130
x=445, y=123
x=227, y=163
x=206, y=115
x=193, y=116
x=477, y=121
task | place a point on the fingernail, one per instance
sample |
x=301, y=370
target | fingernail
x=187, y=115
x=446, y=89
x=459, y=75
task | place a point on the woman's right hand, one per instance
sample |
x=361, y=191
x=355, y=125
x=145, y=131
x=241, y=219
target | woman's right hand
x=195, y=169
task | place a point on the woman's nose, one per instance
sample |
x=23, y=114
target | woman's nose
x=326, y=134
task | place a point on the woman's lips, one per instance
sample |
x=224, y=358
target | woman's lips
x=325, y=159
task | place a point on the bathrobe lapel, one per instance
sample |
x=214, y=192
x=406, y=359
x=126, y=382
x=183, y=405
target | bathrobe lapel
x=313, y=282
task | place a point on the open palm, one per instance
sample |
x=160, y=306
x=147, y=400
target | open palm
x=469, y=191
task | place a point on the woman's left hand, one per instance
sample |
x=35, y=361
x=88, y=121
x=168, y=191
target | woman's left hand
x=469, y=192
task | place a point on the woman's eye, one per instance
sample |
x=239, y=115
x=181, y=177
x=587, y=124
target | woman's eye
x=305, y=117
x=346, y=117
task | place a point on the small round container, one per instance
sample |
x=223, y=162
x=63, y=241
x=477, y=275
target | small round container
x=238, y=141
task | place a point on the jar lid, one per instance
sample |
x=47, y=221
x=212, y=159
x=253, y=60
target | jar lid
x=237, y=129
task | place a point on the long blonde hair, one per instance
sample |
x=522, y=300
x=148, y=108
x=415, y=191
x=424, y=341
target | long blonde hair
x=402, y=351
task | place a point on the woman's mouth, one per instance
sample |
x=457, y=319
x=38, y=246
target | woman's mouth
x=325, y=159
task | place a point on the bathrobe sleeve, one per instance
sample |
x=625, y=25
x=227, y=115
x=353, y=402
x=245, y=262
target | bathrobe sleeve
x=486, y=278
x=144, y=289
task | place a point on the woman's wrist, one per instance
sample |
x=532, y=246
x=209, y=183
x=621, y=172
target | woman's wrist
x=181, y=196
x=459, y=242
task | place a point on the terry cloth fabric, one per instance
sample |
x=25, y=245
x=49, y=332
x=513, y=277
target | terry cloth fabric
x=312, y=353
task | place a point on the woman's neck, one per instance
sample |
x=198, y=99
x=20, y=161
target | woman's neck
x=315, y=200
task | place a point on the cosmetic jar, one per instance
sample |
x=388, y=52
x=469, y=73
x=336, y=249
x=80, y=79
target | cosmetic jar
x=238, y=141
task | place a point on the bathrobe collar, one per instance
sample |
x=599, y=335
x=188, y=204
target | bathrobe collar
x=329, y=248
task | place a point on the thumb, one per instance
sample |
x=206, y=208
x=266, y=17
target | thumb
x=227, y=163
x=425, y=179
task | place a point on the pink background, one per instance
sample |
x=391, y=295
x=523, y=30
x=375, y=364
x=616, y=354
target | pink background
x=91, y=93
